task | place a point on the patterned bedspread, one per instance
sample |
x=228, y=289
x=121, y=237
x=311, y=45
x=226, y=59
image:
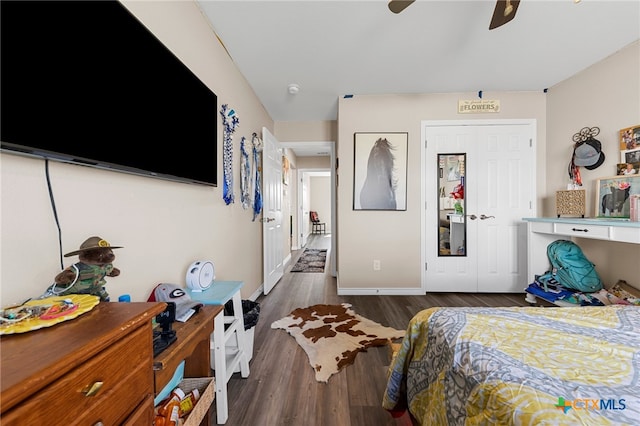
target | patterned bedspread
x=519, y=366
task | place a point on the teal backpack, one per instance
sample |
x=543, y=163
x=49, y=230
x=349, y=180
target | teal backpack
x=571, y=268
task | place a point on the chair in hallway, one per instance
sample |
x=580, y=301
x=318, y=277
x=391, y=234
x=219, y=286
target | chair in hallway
x=317, y=227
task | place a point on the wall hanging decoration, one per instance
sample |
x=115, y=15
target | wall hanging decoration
x=230, y=122
x=630, y=155
x=630, y=138
x=380, y=171
x=628, y=169
x=245, y=174
x=587, y=152
x=286, y=166
x=613, y=194
x=257, y=169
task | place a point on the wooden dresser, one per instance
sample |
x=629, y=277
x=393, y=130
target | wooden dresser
x=47, y=374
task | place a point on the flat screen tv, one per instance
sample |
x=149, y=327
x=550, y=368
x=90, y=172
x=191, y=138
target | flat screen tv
x=86, y=82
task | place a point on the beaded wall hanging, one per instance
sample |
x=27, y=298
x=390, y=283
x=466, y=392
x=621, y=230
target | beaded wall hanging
x=230, y=122
x=245, y=175
x=257, y=169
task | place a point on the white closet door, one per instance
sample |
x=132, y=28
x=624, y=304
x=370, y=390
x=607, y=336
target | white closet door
x=506, y=194
x=499, y=186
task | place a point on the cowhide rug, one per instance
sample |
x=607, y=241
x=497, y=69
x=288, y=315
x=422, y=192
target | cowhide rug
x=332, y=335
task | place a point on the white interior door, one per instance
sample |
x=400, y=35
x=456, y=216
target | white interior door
x=499, y=192
x=272, y=232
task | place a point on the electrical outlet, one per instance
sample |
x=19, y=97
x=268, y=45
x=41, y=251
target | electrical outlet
x=376, y=265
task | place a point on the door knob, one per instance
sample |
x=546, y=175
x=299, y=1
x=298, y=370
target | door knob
x=472, y=216
x=483, y=217
x=267, y=219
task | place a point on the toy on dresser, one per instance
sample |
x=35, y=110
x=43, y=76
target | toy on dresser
x=88, y=275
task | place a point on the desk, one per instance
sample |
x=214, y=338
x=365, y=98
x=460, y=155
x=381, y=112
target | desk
x=192, y=346
x=542, y=231
x=220, y=293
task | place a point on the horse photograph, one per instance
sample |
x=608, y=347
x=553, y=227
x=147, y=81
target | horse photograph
x=380, y=171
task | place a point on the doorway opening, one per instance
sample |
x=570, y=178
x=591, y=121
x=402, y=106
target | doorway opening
x=300, y=193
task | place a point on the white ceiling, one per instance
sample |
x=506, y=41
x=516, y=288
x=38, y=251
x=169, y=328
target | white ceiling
x=333, y=48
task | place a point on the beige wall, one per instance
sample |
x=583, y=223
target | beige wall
x=320, y=199
x=306, y=131
x=394, y=237
x=605, y=95
x=163, y=226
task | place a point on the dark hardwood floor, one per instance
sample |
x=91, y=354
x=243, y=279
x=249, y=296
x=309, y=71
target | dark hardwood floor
x=282, y=390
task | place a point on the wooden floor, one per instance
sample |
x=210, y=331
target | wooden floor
x=282, y=390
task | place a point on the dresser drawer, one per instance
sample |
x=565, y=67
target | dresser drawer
x=126, y=374
x=143, y=415
x=583, y=231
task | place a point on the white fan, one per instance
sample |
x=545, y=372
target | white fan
x=200, y=275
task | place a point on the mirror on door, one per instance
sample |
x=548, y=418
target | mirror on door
x=451, y=205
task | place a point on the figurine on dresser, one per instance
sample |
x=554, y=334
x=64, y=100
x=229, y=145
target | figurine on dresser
x=87, y=276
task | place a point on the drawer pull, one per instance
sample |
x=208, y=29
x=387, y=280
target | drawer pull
x=579, y=230
x=93, y=389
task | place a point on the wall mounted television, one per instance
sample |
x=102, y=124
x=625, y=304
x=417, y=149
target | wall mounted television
x=86, y=82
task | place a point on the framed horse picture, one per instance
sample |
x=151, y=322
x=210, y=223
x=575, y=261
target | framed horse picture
x=613, y=194
x=380, y=171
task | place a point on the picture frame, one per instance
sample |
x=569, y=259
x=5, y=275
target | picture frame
x=286, y=166
x=630, y=138
x=626, y=169
x=613, y=194
x=630, y=155
x=453, y=168
x=380, y=171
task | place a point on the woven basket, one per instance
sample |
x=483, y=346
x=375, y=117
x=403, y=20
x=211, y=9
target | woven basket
x=205, y=386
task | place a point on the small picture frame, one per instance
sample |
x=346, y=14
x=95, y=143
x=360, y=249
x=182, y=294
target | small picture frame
x=630, y=155
x=612, y=196
x=628, y=169
x=630, y=138
x=286, y=166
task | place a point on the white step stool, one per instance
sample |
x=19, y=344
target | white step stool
x=225, y=359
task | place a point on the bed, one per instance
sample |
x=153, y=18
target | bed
x=518, y=366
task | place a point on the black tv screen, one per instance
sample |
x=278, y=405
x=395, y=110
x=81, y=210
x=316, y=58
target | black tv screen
x=86, y=82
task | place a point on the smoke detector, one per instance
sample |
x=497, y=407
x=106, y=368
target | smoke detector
x=293, y=89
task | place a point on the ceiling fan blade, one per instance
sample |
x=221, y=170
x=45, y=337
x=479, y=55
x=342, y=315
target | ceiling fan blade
x=504, y=12
x=397, y=6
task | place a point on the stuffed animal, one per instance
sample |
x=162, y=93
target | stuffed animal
x=87, y=276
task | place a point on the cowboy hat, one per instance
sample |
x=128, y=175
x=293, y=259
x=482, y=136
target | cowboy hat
x=91, y=243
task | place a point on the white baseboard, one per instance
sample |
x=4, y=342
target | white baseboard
x=380, y=292
x=257, y=293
